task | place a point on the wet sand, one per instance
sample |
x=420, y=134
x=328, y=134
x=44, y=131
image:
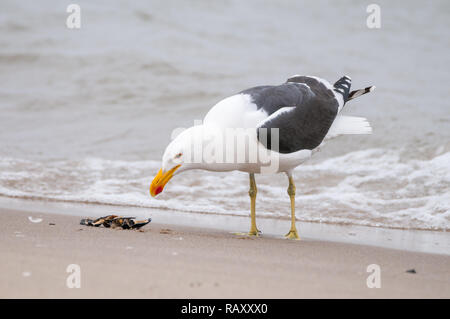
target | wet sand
x=175, y=261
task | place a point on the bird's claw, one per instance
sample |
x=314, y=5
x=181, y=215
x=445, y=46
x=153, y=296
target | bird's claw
x=255, y=233
x=251, y=233
x=293, y=234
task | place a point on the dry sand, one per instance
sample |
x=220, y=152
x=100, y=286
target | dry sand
x=172, y=261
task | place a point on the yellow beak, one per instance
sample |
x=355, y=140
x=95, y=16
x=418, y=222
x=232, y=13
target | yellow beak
x=161, y=180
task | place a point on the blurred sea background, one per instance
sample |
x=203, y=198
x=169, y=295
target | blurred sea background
x=85, y=115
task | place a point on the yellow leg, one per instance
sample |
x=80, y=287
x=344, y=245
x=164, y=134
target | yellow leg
x=252, y=192
x=293, y=234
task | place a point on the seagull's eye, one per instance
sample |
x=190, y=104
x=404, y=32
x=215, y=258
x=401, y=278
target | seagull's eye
x=178, y=155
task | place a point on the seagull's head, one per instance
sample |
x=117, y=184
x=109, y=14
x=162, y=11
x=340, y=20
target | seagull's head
x=176, y=159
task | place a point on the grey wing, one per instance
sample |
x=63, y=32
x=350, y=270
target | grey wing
x=302, y=125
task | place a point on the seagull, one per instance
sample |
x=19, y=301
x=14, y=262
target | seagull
x=279, y=126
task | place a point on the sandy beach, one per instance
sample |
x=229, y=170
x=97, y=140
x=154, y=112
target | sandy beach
x=175, y=261
x=91, y=112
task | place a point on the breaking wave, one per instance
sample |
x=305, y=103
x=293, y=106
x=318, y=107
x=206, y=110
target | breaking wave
x=374, y=187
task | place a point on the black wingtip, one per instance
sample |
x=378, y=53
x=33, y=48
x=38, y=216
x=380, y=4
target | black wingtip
x=342, y=86
x=358, y=93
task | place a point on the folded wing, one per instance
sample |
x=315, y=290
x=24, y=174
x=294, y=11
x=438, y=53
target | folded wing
x=302, y=111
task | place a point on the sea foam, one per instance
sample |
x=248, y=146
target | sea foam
x=374, y=187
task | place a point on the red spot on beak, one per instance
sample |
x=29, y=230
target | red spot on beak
x=158, y=190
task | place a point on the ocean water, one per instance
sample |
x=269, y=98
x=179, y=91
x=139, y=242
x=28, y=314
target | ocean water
x=86, y=114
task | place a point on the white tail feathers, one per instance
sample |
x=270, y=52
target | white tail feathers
x=349, y=125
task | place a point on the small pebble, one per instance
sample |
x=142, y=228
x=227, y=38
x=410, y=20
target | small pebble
x=34, y=220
